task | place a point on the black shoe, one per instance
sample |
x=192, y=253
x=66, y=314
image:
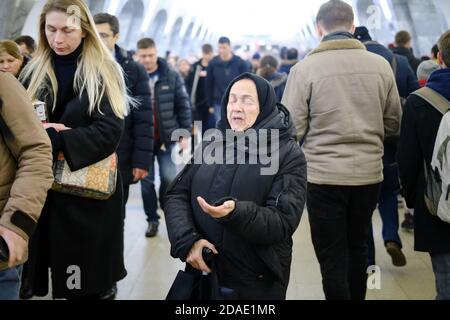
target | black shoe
x=26, y=289
x=26, y=293
x=152, y=229
x=408, y=223
x=109, y=294
x=395, y=251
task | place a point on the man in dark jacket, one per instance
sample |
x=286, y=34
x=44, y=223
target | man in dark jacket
x=135, y=151
x=196, y=85
x=388, y=204
x=403, y=47
x=172, y=111
x=290, y=61
x=405, y=76
x=221, y=71
x=420, y=125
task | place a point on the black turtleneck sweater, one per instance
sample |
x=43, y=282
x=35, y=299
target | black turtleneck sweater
x=65, y=68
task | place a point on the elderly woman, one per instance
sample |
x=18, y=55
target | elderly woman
x=245, y=217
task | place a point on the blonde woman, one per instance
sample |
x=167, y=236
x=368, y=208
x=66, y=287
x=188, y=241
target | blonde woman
x=11, y=60
x=79, y=239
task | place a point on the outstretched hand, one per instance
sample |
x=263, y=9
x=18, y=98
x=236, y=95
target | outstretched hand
x=217, y=212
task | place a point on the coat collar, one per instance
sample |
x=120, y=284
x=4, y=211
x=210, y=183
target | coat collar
x=344, y=44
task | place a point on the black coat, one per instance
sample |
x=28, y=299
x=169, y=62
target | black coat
x=75, y=231
x=255, y=241
x=408, y=53
x=201, y=99
x=136, y=147
x=406, y=78
x=220, y=75
x=172, y=103
x=420, y=125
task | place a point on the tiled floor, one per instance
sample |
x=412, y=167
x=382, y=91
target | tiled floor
x=151, y=270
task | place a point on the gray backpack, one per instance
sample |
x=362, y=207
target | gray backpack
x=437, y=175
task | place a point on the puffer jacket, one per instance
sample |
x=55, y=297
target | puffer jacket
x=255, y=241
x=173, y=108
x=25, y=161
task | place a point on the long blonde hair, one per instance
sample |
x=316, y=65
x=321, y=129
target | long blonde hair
x=97, y=73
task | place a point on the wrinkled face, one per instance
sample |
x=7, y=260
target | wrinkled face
x=148, y=58
x=243, y=105
x=63, y=35
x=107, y=35
x=10, y=64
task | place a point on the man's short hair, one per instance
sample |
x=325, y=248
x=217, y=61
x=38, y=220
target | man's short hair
x=224, y=40
x=146, y=43
x=28, y=41
x=292, y=54
x=335, y=14
x=402, y=38
x=444, y=48
x=113, y=22
x=207, y=49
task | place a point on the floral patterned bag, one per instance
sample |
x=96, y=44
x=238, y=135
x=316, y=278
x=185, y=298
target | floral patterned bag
x=97, y=181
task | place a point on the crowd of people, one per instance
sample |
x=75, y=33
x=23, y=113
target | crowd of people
x=356, y=125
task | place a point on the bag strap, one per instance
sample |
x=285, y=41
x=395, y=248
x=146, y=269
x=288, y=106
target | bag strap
x=439, y=102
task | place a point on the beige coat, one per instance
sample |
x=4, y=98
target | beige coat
x=23, y=184
x=344, y=102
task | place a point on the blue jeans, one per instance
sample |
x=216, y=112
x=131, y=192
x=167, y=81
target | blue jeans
x=10, y=283
x=441, y=269
x=388, y=208
x=167, y=172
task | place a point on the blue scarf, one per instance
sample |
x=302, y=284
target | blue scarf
x=440, y=81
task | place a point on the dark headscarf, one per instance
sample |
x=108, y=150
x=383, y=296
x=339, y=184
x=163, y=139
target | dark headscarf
x=266, y=97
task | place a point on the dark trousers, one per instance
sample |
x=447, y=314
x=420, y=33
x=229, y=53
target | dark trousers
x=340, y=219
x=167, y=172
x=388, y=208
x=126, y=194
